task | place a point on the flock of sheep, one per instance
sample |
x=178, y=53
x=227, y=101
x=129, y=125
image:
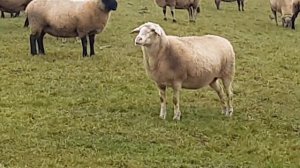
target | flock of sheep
x=170, y=61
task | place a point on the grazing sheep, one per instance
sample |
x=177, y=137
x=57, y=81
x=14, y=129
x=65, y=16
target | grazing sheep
x=13, y=6
x=296, y=10
x=284, y=7
x=187, y=62
x=79, y=18
x=239, y=2
x=191, y=5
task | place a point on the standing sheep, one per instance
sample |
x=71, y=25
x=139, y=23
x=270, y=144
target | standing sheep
x=239, y=2
x=187, y=62
x=191, y=5
x=284, y=7
x=67, y=18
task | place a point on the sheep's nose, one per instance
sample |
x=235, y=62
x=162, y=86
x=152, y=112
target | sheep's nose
x=138, y=40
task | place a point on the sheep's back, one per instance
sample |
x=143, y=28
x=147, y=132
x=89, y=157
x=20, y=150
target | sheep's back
x=202, y=58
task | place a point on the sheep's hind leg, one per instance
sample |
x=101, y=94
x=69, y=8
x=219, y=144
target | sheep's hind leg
x=84, y=46
x=92, y=42
x=163, y=101
x=173, y=14
x=176, y=94
x=33, y=42
x=40, y=42
x=215, y=85
x=227, y=83
x=165, y=12
x=2, y=14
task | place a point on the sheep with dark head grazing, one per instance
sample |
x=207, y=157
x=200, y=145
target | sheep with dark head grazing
x=68, y=18
x=191, y=5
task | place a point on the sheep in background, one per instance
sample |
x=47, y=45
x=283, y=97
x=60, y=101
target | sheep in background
x=239, y=2
x=191, y=5
x=67, y=18
x=187, y=62
x=13, y=6
x=284, y=7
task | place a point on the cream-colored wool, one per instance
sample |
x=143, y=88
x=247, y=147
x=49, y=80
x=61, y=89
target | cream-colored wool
x=187, y=62
x=67, y=18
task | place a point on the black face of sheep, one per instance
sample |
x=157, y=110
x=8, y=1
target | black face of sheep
x=110, y=4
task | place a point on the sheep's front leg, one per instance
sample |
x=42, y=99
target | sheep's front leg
x=176, y=94
x=2, y=15
x=163, y=101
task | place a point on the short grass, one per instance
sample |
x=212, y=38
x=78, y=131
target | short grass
x=62, y=110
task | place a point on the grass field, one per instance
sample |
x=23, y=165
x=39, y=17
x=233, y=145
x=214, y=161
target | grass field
x=62, y=110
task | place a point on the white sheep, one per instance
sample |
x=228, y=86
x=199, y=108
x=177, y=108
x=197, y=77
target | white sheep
x=239, y=2
x=191, y=5
x=284, y=7
x=68, y=18
x=187, y=62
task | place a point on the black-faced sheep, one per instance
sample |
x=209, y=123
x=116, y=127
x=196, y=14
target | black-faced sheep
x=239, y=2
x=191, y=5
x=187, y=62
x=79, y=18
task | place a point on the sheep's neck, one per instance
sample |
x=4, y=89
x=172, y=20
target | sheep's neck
x=152, y=55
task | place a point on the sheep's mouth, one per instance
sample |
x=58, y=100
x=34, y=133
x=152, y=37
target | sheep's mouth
x=138, y=43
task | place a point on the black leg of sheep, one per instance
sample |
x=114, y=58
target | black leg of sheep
x=92, y=41
x=40, y=42
x=84, y=46
x=33, y=41
x=2, y=15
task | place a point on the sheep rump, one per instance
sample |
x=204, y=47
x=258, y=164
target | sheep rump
x=187, y=62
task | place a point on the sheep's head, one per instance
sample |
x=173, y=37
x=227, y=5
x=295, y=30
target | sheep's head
x=287, y=21
x=148, y=34
x=110, y=5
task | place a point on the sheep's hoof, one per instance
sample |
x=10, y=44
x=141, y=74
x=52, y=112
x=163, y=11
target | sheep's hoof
x=177, y=116
x=229, y=112
x=165, y=19
x=162, y=116
x=174, y=21
x=192, y=21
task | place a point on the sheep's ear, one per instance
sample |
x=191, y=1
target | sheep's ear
x=157, y=30
x=136, y=30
